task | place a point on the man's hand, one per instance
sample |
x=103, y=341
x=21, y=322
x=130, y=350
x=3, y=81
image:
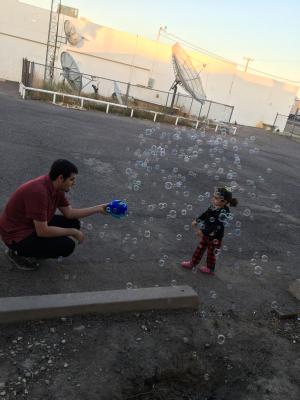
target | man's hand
x=78, y=235
x=194, y=223
x=102, y=208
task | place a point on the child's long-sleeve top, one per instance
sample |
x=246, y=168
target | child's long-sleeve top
x=211, y=222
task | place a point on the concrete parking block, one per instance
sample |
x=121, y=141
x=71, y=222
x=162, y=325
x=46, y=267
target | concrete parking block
x=14, y=309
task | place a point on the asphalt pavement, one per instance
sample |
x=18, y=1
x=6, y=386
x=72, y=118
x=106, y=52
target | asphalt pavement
x=166, y=174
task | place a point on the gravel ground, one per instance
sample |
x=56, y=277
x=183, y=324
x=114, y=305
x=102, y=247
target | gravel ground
x=234, y=346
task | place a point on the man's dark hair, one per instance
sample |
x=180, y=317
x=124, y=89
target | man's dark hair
x=62, y=167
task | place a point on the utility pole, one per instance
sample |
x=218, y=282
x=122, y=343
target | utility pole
x=248, y=59
x=151, y=81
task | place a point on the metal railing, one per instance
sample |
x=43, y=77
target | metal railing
x=133, y=96
x=25, y=89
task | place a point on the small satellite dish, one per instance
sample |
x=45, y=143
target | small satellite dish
x=73, y=37
x=186, y=74
x=71, y=71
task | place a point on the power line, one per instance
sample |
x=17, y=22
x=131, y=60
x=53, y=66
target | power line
x=171, y=36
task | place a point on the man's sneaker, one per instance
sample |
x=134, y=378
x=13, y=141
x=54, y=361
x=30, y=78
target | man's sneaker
x=206, y=270
x=23, y=263
x=187, y=264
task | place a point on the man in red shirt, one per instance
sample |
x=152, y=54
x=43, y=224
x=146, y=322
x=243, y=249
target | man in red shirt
x=28, y=224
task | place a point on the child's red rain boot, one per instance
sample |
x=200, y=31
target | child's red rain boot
x=206, y=270
x=187, y=264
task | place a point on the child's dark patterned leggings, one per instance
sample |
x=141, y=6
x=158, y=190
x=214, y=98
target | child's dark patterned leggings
x=212, y=247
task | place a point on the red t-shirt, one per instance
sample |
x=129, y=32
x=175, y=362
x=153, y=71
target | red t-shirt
x=34, y=200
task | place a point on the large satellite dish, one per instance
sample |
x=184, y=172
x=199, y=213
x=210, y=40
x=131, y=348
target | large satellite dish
x=186, y=74
x=73, y=37
x=71, y=71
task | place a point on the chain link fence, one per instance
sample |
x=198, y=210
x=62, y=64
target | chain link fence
x=289, y=126
x=137, y=96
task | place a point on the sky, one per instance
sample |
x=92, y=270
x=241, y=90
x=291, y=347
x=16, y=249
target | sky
x=266, y=31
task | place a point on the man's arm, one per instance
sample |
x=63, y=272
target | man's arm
x=43, y=230
x=77, y=213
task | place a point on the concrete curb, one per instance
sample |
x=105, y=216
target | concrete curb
x=14, y=309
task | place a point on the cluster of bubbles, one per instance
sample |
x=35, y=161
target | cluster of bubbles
x=173, y=161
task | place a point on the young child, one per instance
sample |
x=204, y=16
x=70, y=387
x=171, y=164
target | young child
x=211, y=232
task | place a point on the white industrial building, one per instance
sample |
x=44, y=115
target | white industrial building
x=124, y=57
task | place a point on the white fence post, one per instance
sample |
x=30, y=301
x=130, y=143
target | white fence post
x=176, y=122
x=197, y=125
x=107, y=108
x=54, y=98
x=131, y=114
x=81, y=104
x=155, y=115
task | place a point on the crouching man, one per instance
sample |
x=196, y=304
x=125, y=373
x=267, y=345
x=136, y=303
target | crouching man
x=29, y=226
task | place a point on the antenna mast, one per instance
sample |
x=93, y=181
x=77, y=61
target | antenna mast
x=52, y=43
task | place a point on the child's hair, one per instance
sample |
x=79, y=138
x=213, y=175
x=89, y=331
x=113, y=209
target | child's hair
x=227, y=196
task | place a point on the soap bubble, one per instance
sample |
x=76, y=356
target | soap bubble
x=168, y=185
x=274, y=305
x=172, y=213
x=258, y=270
x=129, y=285
x=222, y=217
x=161, y=262
x=276, y=208
x=179, y=236
x=89, y=227
x=186, y=227
x=101, y=235
x=206, y=377
x=273, y=196
x=264, y=258
x=247, y=212
x=221, y=339
x=278, y=268
x=183, y=212
x=173, y=282
x=147, y=234
x=269, y=170
x=212, y=294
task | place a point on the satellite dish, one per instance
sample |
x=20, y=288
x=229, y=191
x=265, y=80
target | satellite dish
x=71, y=71
x=186, y=74
x=73, y=37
